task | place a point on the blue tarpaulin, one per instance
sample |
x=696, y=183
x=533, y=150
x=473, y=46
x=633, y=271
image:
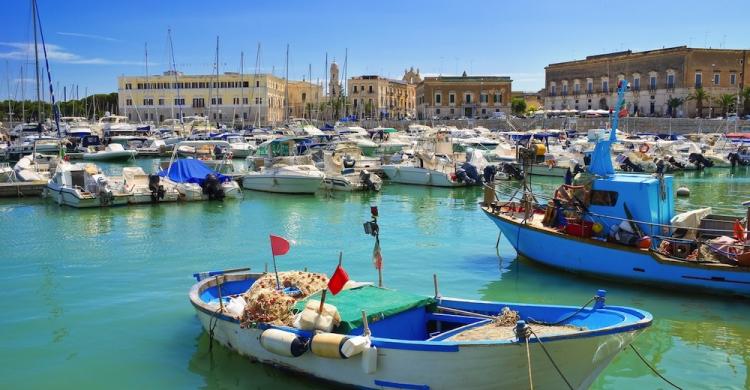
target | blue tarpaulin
x=190, y=171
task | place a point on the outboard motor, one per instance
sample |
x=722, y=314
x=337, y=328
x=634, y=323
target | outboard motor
x=471, y=173
x=628, y=166
x=157, y=190
x=671, y=160
x=212, y=187
x=489, y=173
x=734, y=158
x=348, y=161
x=462, y=177
x=661, y=167
x=700, y=161
x=366, y=178
x=512, y=171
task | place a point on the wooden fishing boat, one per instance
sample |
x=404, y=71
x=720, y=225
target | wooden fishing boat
x=391, y=339
x=624, y=227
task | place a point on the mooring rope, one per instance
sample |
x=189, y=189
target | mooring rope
x=541, y=344
x=652, y=368
x=558, y=322
x=528, y=360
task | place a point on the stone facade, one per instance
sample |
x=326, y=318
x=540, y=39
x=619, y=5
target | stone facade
x=232, y=98
x=451, y=97
x=532, y=99
x=655, y=77
x=379, y=97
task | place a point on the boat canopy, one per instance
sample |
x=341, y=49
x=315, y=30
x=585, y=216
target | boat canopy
x=378, y=303
x=190, y=171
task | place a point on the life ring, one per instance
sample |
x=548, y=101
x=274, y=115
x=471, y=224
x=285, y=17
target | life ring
x=643, y=148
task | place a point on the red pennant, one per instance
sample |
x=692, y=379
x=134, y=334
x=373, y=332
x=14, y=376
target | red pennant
x=739, y=231
x=377, y=257
x=338, y=280
x=279, y=245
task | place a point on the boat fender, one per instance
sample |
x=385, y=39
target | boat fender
x=643, y=148
x=328, y=345
x=354, y=346
x=370, y=360
x=283, y=343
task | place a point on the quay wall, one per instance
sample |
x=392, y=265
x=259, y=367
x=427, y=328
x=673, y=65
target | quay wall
x=630, y=124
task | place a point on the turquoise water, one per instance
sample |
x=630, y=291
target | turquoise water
x=98, y=298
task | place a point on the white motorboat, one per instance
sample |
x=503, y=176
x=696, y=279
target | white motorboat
x=145, y=188
x=37, y=165
x=116, y=129
x=112, y=152
x=347, y=170
x=432, y=164
x=238, y=147
x=7, y=174
x=194, y=180
x=83, y=185
x=359, y=136
x=277, y=168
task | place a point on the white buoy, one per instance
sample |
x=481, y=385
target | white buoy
x=683, y=191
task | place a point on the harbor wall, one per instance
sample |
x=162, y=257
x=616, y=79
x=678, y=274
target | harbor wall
x=630, y=124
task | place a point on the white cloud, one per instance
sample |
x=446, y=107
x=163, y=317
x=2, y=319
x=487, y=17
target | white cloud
x=55, y=53
x=90, y=36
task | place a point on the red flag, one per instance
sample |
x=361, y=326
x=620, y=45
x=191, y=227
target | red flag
x=279, y=245
x=623, y=112
x=377, y=258
x=337, y=280
x=739, y=231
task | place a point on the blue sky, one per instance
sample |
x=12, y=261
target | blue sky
x=91, y=42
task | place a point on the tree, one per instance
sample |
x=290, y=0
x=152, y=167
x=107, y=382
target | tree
x=726, y=102
x=699, y=96
x=745, y=95
x=673, y=104
x=518, y=105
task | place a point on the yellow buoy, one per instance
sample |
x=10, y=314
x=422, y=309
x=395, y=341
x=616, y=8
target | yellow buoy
x=328, y=345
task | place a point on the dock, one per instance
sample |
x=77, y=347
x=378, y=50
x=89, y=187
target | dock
x=22, y=189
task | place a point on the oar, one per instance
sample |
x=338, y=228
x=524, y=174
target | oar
x=202, y=275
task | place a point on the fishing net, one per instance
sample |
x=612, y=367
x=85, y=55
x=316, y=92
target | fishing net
x=264, y=303
x=504, y=327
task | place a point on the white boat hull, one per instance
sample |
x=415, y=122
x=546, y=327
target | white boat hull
x=419, y=176
x=285, y=184
x=121, y=155
x=193, y=192
x=465, y=366
x=72, y=198
x=350, y=183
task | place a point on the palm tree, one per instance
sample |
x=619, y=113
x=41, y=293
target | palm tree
x=725, y=101
x=673, y=104
x=699, y=96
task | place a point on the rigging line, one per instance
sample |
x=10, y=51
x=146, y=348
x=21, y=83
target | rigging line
x=565, y=319
x=652, y=368
x=541, y=344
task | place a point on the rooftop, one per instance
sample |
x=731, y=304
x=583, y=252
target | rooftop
x=630, y=53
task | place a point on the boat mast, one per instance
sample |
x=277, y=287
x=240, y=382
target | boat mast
x=242, y=89
x=10, y=109
x=256, y=86
x=23, y=98
x=345, y=83
x=55, y=109
x=176, y=84
x=325, y=87
x=148, y=85
x=217, y=79
x=36, y=65
x=286, y=87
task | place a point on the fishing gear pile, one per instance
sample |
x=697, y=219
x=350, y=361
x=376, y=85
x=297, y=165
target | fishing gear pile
x=265, y=303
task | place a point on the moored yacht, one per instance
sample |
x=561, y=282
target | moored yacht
x=83, y=185
x=277, y=167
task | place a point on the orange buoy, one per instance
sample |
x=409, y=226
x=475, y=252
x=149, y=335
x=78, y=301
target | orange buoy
x=644, y=242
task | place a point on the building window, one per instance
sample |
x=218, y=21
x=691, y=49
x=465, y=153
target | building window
x=235, y=100
x=181, y=102
x=452, y=111
x=161, y=101
x=565, y=90
x=148, y=102
x=369, y=88
x=732, y=79
x=197, y=102
x=498, y=98
x=257, y=84
x=576, y=88
x=717, y=78
x=670, y=81
x=605, y=86
x=553, y=89
x=128, y=102
x=128, y=86
x=590, y=87
x=244, y=115
x=652, y=83
x=467, y=98
x=355, y=89
x=438, y=99
x=483, y=98
x=304, y=96
x=437, y=111
x=637, y=84
x=698, y=80
x=451, y=98
x=244, y=100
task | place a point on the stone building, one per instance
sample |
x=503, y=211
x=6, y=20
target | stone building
x=230, y=98
x=379, y=97
x=532, y=99
x=655, y=76
x=334, y=86
x=450, y=97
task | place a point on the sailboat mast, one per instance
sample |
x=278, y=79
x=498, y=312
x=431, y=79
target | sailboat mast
x=345, y=90
x=174, y=73
x=309, y=88
x=148, y=85
x=256, y=86
x=286, y=86
x=7, y=80
x=217, y=78
x=242, y=88
x=23, y=98
x=36, y=64
x=325, y=87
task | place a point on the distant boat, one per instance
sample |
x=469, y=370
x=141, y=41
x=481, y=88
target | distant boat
x=83, y=185
x=346, y=169
x=419, y=342
x=196, y=181
x=276, y=167
x=112, y=152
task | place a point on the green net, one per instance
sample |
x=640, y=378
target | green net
x=378, y=303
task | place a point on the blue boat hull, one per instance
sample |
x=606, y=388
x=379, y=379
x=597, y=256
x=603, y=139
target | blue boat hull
x=621, y=263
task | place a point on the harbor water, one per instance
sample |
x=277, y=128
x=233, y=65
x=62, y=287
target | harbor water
x=98, y=298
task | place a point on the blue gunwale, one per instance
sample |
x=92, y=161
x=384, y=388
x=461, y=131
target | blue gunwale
x=632, y=320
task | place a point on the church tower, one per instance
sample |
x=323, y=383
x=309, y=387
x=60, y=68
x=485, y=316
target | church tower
x=334, y=87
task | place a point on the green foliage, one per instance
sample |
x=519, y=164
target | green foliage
x=518, y=105
x=725, y=102
x=700, y=95
x=84, y=107
x=673, y=104
x=745, y=96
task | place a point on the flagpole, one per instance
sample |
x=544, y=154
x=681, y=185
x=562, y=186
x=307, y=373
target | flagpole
x=275, y=271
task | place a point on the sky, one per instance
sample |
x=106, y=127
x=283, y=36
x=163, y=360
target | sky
x=90, y=43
